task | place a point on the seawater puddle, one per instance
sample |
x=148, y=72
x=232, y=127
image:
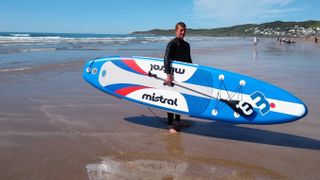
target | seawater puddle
x=158, y=166
x=136, y=169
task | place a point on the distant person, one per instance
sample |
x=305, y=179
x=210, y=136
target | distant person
x=315, y=39
x=290, y=41
x=255, y=41
x=177, y=50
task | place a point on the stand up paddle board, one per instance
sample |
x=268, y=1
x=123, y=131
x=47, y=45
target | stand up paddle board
x=197, y=91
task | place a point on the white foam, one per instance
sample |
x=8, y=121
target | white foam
x=20, y=35
x=37, y=49
x=26, y=39
x=16, y=69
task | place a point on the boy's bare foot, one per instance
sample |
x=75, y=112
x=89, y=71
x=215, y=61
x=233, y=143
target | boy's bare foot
x=173, y=130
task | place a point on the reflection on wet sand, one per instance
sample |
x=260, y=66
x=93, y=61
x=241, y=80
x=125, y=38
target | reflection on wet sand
x=174, y=145
x=254, y=54
x=174, y=163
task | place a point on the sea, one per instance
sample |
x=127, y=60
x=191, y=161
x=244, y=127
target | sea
x=25, y=51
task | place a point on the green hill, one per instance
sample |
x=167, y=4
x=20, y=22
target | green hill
x=277, y=28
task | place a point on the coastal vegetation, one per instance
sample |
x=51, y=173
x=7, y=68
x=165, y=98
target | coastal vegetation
x=276, y=28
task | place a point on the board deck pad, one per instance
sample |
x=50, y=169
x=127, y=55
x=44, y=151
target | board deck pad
x=198, y=91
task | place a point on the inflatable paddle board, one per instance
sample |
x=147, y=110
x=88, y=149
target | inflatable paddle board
x=197, y=91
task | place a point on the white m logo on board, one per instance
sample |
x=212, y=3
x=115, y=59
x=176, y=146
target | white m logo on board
x=261, y=102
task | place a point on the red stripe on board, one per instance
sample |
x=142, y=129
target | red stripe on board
x=132, y=64
x=127, y=90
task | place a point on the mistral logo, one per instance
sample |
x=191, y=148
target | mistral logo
x=261, y=102
x=161, y=68
x=161, y=99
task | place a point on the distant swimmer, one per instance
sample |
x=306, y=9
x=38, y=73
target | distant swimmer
x=284, y=40
x=255, y=41
x=290, y=42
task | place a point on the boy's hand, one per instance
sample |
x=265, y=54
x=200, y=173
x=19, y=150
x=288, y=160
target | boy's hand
x=169, y=79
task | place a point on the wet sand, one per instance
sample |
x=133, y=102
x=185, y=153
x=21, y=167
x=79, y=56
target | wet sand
x=53, y=125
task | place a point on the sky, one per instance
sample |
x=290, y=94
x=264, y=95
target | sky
x=125, y=16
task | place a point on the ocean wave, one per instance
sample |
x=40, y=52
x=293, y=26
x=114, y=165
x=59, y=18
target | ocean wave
x=20, y=35
x=36, y=49
x=26, y=38
x=31, y=49
x=37, y=68
x=16, y=69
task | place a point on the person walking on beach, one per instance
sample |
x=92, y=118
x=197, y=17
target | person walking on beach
x=255, y=41
x=179, y=50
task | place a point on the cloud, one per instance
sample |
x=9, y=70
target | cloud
x=231, y=12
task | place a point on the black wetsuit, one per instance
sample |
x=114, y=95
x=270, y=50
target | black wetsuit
x=177, y=50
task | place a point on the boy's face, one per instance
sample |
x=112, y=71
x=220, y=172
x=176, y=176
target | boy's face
x=180, y=32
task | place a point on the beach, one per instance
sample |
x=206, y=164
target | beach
x=54, y=125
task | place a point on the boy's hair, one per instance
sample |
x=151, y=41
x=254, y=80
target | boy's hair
x=181, y=24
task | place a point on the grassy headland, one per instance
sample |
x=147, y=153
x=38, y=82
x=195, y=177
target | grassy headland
x=277, y=28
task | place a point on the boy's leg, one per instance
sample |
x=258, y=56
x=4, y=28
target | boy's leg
x=172, y=128
x=170, y=118
x=177, y=117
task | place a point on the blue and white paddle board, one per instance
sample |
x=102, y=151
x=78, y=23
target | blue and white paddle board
x=198, y=91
